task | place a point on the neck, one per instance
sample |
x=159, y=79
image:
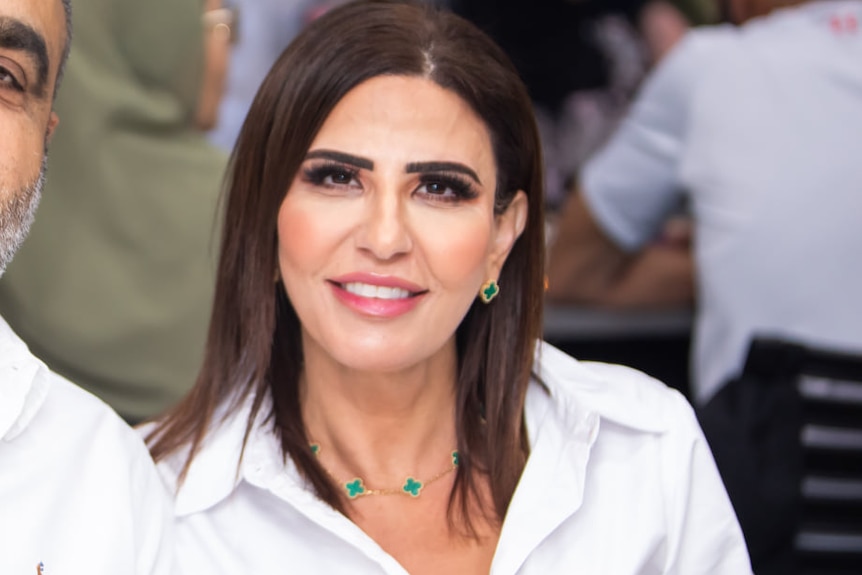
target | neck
x=381, y=426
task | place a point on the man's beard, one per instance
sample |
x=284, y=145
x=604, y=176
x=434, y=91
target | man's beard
x=17, y=210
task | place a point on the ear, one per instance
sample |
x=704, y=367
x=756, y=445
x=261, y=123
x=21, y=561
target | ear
x=509, y=226
x=52, y=125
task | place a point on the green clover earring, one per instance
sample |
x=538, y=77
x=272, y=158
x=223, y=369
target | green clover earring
x=489, y=291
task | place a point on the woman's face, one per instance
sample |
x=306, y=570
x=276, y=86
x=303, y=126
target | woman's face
x=388, y=230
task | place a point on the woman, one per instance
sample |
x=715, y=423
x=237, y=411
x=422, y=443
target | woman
x=114, y=285
x=366, y=404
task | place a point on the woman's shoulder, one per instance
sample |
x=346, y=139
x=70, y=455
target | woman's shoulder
x=616, y=393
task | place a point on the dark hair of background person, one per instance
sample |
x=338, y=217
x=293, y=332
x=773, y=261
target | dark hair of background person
x=254, y=343
x=551, y=43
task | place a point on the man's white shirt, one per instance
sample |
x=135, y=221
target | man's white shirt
x=79, y=494
x=758, y=128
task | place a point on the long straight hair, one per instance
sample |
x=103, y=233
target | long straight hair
x=254, y=348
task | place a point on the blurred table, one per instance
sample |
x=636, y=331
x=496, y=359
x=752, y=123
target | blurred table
x=580, y=323
x=656, y=341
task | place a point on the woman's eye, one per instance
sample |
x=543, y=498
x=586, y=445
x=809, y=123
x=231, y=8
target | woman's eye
x=438, y=189
x=331, y=176
x=446, y=189
x=339, y=178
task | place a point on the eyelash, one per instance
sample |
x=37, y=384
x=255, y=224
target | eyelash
x=462, y=189
x=317, y=174
x=13, y=81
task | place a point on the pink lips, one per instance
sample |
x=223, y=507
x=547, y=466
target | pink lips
x=373, y=306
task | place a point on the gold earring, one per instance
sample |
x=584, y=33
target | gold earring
x=489, y=291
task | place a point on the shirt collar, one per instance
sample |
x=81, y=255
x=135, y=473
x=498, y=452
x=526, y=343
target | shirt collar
x=564, y=415
x=23, y=384
x=615, y=393
x=218, y=465
x=551, y=488
x=562, y=418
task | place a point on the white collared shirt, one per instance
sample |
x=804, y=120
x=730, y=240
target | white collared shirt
x=619, y=481
x=79, y=494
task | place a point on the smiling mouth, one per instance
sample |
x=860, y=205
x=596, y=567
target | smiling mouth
x=377, y=292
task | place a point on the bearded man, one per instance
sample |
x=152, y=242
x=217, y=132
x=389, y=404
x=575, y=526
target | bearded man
x=78, y=492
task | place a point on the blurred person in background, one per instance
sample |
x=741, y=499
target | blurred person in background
x=582, y=62
x=662, y=24
x=79, y=494
x=264, y=30
x=755, y=129
x=113, y=289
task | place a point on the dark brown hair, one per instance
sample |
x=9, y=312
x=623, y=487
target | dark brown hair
x=254, y=348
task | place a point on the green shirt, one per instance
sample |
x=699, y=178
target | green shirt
x=114, y=285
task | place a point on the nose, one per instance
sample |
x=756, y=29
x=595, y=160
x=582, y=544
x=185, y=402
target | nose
x=384, y=232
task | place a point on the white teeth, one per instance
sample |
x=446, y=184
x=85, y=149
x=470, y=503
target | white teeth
x=379, y=292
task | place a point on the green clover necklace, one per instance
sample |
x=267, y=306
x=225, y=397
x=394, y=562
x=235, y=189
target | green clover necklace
x=412, y=487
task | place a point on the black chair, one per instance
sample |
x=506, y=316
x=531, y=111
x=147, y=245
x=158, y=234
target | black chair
x=787, y=437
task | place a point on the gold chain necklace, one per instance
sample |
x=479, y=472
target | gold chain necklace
x=412, y=487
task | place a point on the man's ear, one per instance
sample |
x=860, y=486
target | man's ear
x=509, y=226
x=52, y=125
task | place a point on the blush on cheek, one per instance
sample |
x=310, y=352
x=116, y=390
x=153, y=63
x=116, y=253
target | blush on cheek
x=301, y=253
x=300, y=234
x=458, y=253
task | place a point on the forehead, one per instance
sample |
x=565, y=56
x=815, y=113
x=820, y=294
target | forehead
x=46, y=18
x=407, y=116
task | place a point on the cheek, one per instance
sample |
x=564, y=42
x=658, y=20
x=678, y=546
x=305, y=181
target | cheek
x=298, y=238
x=457, y=251
x=310, y=233
x=21, y=154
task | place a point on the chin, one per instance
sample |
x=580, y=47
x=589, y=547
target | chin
x=387, y=359
x=377, y=362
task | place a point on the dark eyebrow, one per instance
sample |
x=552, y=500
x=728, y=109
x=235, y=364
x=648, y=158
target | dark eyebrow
x=349, y=159
x=16, y=35
x=419, y=167
x=411, y=168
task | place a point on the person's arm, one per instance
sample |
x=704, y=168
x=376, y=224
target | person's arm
x=661, y=25
x=585, y=266
x=611, y=247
